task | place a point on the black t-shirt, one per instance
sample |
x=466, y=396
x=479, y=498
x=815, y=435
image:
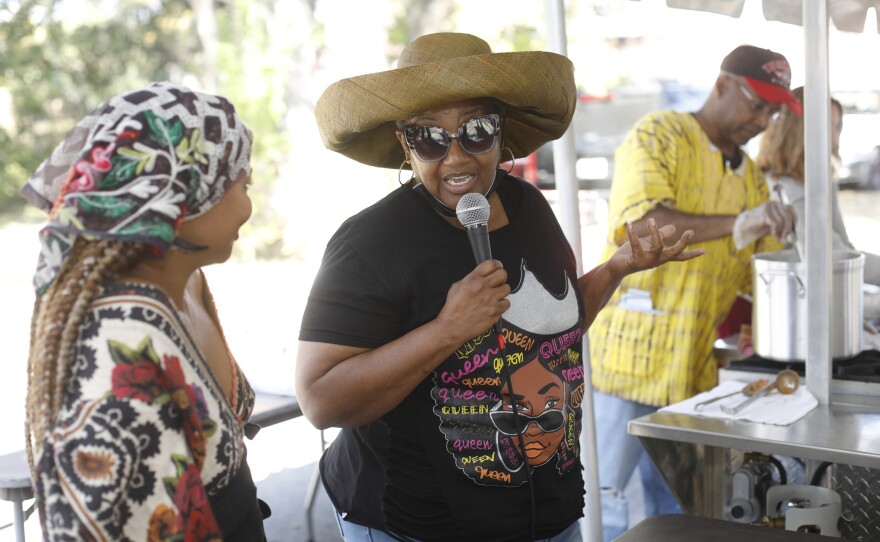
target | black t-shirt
x=444, y=464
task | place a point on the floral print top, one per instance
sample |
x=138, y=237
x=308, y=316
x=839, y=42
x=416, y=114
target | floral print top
x=146, y=435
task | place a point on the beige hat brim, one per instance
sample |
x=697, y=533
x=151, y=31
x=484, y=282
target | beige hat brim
x=356, y=116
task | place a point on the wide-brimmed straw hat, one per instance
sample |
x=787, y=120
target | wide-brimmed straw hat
x=356, y=116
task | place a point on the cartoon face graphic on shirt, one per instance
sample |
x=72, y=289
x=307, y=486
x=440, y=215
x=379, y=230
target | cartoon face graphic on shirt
x=473, y=400
x=539, y=397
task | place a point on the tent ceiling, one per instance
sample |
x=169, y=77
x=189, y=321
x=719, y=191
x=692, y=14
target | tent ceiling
x=848, y=15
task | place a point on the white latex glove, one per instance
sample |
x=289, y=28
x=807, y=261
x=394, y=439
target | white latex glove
x=770, y=218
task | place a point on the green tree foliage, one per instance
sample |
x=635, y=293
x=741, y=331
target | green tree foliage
x=61, y=59
x=264, y=46
x=56, y=65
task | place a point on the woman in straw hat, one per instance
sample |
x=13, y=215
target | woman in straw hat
x=136, y=408
x=397, y=345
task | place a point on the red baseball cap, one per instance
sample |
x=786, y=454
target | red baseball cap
x=766, y=71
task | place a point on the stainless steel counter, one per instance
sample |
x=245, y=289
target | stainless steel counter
x=836, y=433
x=695, y=454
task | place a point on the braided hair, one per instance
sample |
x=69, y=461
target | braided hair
x=55, y=326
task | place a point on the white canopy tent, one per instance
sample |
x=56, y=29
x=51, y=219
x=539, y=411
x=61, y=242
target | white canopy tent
x=814, y=15
x=847, y=15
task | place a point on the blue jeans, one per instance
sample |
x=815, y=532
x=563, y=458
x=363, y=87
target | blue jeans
x=352, y=532
x=619, y=455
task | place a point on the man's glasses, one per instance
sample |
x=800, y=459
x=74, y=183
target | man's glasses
x=759, y=106
x=548, y=421
x=476, y=136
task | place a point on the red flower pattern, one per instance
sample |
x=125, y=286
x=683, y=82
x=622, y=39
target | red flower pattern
x=196, y=518
x=88, y=170
x=183, y=396
x=141, y=379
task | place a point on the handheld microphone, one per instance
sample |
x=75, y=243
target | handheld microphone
x=473, y=213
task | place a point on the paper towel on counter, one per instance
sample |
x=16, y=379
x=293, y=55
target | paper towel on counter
x=774, y=408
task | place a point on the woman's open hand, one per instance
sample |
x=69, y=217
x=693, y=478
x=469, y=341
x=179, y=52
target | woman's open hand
x=641, y=253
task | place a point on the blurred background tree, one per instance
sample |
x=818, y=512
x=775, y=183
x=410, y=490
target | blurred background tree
x=61, y=59
x=56, y=66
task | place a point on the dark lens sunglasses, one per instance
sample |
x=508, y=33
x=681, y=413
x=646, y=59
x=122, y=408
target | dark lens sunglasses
x=476, y=136
x=548, y=421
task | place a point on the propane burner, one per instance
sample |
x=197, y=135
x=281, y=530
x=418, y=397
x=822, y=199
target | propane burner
x=863, y=367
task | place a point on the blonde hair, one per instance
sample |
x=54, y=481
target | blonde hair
x=781, y=151
x=55, y=327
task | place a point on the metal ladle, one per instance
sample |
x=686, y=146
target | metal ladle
x=783, y=198
x=787, y=382
x=748, y=390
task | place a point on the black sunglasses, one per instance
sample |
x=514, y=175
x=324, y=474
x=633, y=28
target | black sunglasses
x=548, y=421
x=476, y=136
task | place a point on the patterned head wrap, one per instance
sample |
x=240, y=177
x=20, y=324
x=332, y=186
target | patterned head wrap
x=135, y=168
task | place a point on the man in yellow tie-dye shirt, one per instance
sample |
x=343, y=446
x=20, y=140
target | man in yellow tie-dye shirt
x=652, y=344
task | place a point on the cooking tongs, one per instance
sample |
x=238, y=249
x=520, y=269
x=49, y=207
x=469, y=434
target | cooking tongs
x=748, y=390
x=787, y=382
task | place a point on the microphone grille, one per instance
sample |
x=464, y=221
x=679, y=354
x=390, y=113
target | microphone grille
x=472, y=209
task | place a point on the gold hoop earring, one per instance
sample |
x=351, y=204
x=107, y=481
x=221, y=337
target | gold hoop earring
x=512, y=158
x=400, y=169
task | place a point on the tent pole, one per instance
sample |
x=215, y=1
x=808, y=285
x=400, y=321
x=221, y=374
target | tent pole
x=817, y=151
x=567, y=190
x=563, y=148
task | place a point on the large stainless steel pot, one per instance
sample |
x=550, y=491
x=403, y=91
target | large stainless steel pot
x=779, y=309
